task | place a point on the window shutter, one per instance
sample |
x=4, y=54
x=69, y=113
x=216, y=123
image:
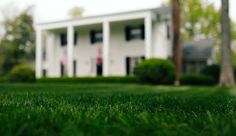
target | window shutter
x=75, y=38
x=127, y=66
x=168, y=31
x=74, y=68
x=44, y=73
x=143, y=32
x=92, y=34
x=127, y=33
x=62, y=69
x=63, y=38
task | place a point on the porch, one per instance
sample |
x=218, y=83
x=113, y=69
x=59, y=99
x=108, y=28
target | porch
x=73, y=50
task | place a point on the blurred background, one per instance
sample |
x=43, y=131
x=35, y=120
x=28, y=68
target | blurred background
x=200, y=20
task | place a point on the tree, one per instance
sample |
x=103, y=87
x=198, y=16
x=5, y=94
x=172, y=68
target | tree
x=18, y=41
x=226, y=75
x=76, y=12
x=200, y=20
x=177, y=49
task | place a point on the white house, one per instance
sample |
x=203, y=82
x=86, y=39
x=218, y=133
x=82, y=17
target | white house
x=108, y=45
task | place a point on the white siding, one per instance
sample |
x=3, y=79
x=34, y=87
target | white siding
x=85, y=52
x=120, y=48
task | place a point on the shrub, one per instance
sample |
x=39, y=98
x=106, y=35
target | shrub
x=156, y=71
x=21, y=73
x=89, y=80
x=214, y=71
x=196, y=79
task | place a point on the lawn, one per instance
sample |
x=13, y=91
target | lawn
x=116, y=109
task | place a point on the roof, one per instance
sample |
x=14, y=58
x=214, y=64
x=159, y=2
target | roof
x=157, y=10
x=202, y=49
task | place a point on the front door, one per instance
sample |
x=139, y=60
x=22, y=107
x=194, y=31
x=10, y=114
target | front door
x=99, y=69
x=99, y=66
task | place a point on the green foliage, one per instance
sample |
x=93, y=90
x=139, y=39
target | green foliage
x=90, y=80
x=156, y=71
x=195, y=79
x=115, y=109
x=76, y=11
x=200, y=19
x=17, y=44
x=22, y=73
x=213, y=71
x=3, y=79
x=233, y=30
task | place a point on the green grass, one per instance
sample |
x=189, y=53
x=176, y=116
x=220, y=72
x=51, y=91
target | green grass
x=115, y=109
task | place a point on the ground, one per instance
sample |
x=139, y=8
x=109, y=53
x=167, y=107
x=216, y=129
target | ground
x=116, y=109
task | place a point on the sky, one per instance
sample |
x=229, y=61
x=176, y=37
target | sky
x=53, y=10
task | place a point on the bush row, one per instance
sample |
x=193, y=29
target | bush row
x=159, y=71
x=196, y=79
x=214, y=71
x=89, y=80
x=152, y=71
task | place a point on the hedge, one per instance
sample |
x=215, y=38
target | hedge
x=214, y=71
x=89, y=80
x=196, y=79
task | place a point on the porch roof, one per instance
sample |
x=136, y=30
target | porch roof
x=100, y=18
x=198, y=50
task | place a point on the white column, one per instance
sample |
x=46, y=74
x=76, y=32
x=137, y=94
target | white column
x=39, y=46
x=148, y=36
x=50, y=54
x=105, y=49
x=70, y=48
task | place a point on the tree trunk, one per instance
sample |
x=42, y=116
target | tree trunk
x=226, y=75
x=177, y=48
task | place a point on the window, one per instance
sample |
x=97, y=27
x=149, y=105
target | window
x=75, y=38
x=63, y=38
x=96, y=37
x=132, y=33
x=194, y=66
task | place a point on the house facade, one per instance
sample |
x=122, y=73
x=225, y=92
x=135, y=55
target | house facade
x=107, y=45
